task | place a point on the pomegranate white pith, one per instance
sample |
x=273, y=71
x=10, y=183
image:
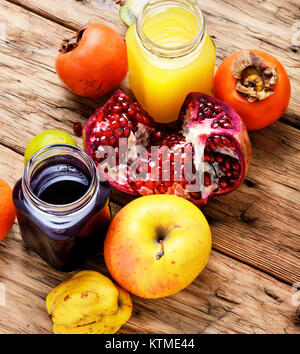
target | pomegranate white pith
x=210, y=139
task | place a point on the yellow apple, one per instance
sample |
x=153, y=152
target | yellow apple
x=157, y=245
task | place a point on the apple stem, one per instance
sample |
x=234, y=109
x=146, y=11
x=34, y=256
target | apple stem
x=162, y=250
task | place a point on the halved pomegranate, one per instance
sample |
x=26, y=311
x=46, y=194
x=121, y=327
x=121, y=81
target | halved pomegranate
x=207, y=154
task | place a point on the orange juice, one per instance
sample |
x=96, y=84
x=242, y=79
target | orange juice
x=170, y=55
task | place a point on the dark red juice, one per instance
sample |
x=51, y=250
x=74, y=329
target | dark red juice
x=62, y=206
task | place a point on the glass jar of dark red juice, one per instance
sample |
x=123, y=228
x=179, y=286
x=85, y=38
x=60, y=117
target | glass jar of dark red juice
x=62, y=206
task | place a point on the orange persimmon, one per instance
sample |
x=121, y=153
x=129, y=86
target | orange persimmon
x=94, y=62
x=256, y=85
x=7, y=209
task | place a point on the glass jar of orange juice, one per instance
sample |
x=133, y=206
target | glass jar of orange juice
x=170, y=55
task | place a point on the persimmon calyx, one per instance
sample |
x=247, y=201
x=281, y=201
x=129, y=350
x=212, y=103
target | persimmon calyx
x=254, y=80
x=68, y=44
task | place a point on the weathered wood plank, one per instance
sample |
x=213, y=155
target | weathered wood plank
x=245, y=223
x=234, y=25
x=228, y=297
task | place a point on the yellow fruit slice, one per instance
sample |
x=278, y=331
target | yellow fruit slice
x=89, y=302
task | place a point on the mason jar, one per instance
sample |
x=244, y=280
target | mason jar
x=170, y=54
x=62, y=206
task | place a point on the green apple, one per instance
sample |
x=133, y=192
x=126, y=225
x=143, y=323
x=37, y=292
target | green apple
x=48, y=137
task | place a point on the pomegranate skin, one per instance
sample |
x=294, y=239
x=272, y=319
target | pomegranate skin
x=240, y=133
x=221, y=149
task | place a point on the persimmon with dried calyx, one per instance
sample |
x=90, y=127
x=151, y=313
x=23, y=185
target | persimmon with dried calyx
x=7, y=209
x=256, y=85
x=93, y=62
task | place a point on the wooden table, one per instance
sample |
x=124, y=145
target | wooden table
x=247, y=284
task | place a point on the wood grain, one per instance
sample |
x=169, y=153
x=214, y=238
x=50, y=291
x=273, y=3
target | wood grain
x=233, y=25
x=228, y=297
x=244, y=224
x=257, y=225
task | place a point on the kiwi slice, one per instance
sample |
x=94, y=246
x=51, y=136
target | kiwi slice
x=131, y=9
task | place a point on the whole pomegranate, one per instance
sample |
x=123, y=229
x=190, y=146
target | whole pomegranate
x=207, y=153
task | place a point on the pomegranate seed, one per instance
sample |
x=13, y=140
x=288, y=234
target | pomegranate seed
x=211, y=144
x=137, y=107
x=114, y=125
x=219, y=158
x=123, y=122
x=113, y=141
x=145, y=121
x=217, y=139
x=203, y=100
x=130, y=125
x=100, y=116
x=207, y=112
x=201, y=106
x=235, y=174
x=139, y=117
x=125, y=106
x=218, y=109
x=215, y=124
x=236, y=166
x=156, y=183
x=117, y=109
x=230, y=182
x=162, y=188
x=226, y=141
x=200, y=116
x=77, y=128
x=227, y=164
x=223, y=183
x=207, y=157
x=223, y=168
x=126, y=132
x=119, y=133
x=227, y=125
x=207, y=179
x=130, y=111
x=195, y=195
x=115, y=117
x=149, y=184
x=98, y=134
x=209, y=105
x=138, y=169
x=220, y=141
x=138, y=183
x=108, y=133
x=104, y=140
x=158, y=134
